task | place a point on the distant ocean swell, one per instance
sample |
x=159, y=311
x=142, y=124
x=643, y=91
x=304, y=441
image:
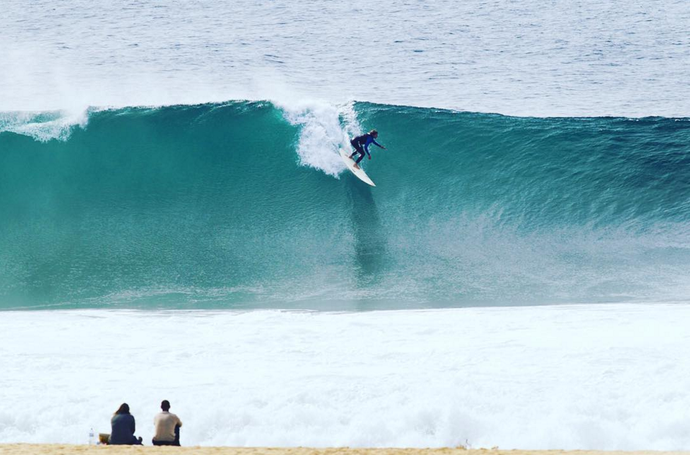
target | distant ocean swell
x=247, y=205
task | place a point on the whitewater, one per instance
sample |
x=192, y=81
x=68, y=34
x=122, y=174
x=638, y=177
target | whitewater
x=176, y=223
x=568, y=377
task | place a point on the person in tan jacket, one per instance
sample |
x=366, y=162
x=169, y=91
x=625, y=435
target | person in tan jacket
x=167, y=427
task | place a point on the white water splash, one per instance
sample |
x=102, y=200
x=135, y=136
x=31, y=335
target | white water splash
x=43, y=126
x=325, y=128
x=605, y=377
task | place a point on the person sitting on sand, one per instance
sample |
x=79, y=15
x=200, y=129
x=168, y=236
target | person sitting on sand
x=123, y=427
x=167, y=427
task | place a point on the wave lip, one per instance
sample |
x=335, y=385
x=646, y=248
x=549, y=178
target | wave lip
x=43, y=126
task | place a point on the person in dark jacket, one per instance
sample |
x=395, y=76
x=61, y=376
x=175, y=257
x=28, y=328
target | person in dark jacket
x=123, y=428
x=362, y=143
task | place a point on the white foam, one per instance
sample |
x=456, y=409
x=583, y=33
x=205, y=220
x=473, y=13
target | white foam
x=43, y=126
x=557, y=377
x=324, y=129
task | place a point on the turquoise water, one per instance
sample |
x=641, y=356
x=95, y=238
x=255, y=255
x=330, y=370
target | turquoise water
x=211, y=206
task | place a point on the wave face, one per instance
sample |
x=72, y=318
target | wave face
x=246, y=205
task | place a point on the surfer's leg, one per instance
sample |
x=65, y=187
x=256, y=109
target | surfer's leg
x=361, y=156
x=358, y=149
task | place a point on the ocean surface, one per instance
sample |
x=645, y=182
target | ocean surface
x=175, y=221
x=531, y=58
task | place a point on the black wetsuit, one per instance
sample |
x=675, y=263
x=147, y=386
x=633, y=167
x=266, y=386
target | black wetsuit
x=361, y=145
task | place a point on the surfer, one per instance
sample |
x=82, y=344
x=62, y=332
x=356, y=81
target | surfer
x=362, y=143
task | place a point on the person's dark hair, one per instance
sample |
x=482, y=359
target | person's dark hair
x=373, y=132
x=123, y=409
x=165, y=405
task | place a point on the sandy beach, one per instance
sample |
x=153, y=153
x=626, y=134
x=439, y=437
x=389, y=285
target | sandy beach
x=65, y=449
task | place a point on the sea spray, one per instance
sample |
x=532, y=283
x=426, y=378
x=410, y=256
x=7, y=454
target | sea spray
x=323, y=130
x=43, y=126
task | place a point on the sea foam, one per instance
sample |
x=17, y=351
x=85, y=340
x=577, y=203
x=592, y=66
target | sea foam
x=552, y=377
x=44, y=126
x=324, y=129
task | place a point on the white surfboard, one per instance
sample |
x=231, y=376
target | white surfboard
x=359, y=173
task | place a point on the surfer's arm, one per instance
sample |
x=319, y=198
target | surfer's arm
x=374, y=141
